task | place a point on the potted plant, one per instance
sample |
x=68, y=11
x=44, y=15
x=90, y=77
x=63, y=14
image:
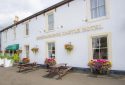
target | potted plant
x=35, y=50
x=69, y=47
x=100, y=66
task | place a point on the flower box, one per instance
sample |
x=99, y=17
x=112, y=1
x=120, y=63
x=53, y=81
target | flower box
x=100, y=66
x=50, y=61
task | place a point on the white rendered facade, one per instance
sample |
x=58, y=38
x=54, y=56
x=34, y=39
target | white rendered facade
x=72, y=23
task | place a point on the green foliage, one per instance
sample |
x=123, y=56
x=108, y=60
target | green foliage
x=1, y=56
x=16, y=58
x=6, y=55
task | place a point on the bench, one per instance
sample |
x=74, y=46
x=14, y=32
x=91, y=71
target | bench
x=64, y=71
x=59, y=69
x=27, y=66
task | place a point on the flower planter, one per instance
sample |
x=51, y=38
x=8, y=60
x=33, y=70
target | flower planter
x=100, y=66
x=1, y=61
x=8, y=63
x=50, y=62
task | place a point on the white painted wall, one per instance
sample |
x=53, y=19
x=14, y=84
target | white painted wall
x=73, y=17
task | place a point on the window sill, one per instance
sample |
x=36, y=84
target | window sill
x=48, y=31
x=97, y=19
x=26, y=36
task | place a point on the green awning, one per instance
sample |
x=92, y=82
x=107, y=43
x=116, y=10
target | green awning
x=13, y=47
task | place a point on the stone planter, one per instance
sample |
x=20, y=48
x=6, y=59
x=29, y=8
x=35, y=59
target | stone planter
x=8, y=63
x=1, y=61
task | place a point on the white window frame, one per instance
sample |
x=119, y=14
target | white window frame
x=27, y=29
x=47, y=51
x=46, y=20
x=5, y=35
x=27, y=51
x=88, y=12
x=97, y=9
x=109, y=45
x=14, y=33
x=99, y=48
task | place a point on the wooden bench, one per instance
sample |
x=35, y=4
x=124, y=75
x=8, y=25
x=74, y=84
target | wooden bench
x=64, y=71
x=27, y=66
x=59, y=69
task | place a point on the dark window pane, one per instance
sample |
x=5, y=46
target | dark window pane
x=95, y=42
x=104, y=53
x=53, y=48
x=95, y=53
x=49, y=46
x=103, y=42
x=50, y=54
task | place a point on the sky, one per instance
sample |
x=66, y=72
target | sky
x=21, y=8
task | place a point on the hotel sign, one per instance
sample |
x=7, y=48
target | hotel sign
x=70, y=32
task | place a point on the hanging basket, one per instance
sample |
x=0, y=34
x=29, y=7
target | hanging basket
x=69, y=47
x=35, y=50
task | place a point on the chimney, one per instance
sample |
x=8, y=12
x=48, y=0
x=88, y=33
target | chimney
x=16, y=19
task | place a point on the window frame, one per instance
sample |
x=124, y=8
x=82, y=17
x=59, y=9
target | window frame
x=97, y=9
x=51, y=49
x=49, y=25
x=88, y=12
x=109, y=45
x=99, y=47
x=27, y=50
x=27, y=29
x=14, y=33
x=5, y=34
x=46, y=20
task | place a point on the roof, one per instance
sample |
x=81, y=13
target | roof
x=38, y=13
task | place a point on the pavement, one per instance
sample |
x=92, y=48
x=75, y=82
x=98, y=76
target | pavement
x=10, y=76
